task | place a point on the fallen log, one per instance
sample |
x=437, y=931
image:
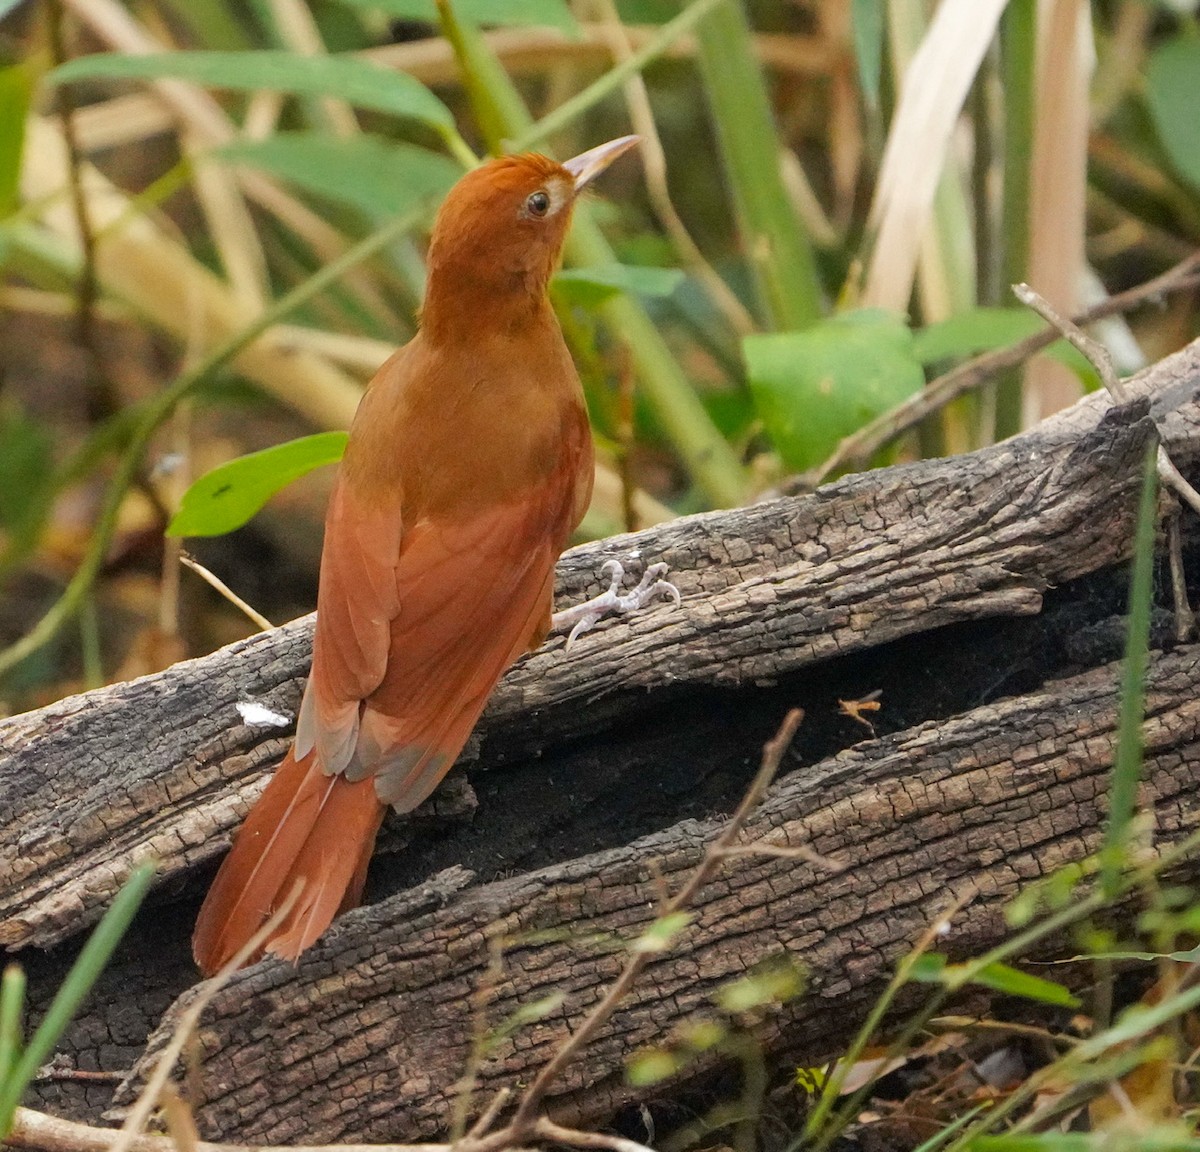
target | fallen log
x=938, y=581
x=367, y=1039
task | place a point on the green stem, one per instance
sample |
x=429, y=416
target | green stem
x=778, y=250
x=1018, y=42
x=1127, y=766
x=161, y=407
x=502, y=115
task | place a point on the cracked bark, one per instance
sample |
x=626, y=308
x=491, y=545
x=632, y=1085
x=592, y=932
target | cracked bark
x=784, y=593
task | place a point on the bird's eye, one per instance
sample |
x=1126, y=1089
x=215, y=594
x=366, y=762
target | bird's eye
x=538, y=203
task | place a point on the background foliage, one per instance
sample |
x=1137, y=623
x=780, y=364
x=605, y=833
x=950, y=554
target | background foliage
x=212, y=218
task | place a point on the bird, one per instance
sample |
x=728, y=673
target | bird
x=468, y=465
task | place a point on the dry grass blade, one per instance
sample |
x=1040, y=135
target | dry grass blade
x=935, y=87
x=654, y=164
x=216, y=582
x=116, y=28
x=1058, y=184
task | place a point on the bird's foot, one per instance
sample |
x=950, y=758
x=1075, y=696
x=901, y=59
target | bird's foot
x=613, y=602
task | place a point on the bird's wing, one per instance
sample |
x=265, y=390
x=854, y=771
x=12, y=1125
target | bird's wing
x=473, y=595
x=357, y=602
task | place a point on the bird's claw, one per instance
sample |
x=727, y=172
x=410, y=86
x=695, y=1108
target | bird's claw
x=613, y=602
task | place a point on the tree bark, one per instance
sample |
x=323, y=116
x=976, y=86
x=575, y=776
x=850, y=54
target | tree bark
x=947, y=582
x=376, y=1022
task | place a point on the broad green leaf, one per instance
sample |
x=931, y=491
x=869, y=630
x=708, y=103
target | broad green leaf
x=661, y=934
x=547, y=13
x=377, y=176
x=932, y=968
x=357, y=81
x=592, y=286
x=974, y=331
x=1171, y=77
x=813, y=388
x=985, y=329
x=16, y=89
x=226, y=497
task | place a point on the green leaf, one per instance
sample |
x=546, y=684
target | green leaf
x=592, y=286
x=660, y=935
x=932, y=968
x=26, y=465
x=813, y=388
x=973, y=331
x=376, y=176
x=531, y=1013
x=524, y=13
x=867, y=19
x=16, y=91
x=1171, y=76
x=983, y=329
x=226, y=497
x=357, y=81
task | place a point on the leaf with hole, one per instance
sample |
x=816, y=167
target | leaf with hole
x=226, y=497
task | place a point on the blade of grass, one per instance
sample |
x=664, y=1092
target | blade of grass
x=12, y=1003
x=1127, y=767
x=778, y=250
x=1018, y=44
x=74, y=988
x=502, y=114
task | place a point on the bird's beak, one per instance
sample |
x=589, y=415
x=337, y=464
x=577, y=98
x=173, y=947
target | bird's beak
x=588, y=165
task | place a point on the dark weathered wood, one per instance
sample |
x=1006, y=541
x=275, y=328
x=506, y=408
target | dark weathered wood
x=164, y=766
x=368, y=1037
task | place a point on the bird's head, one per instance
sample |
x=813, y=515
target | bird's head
x=502, y=226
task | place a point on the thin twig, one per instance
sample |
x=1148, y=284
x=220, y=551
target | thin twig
x=575, y=1138
x=148, y=1098
x=189, y=561
x=870, y=439
x=523, y=1121
x=1100, y=359
x=37, y=1130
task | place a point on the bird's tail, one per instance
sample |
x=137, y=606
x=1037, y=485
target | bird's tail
x=305, y=827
